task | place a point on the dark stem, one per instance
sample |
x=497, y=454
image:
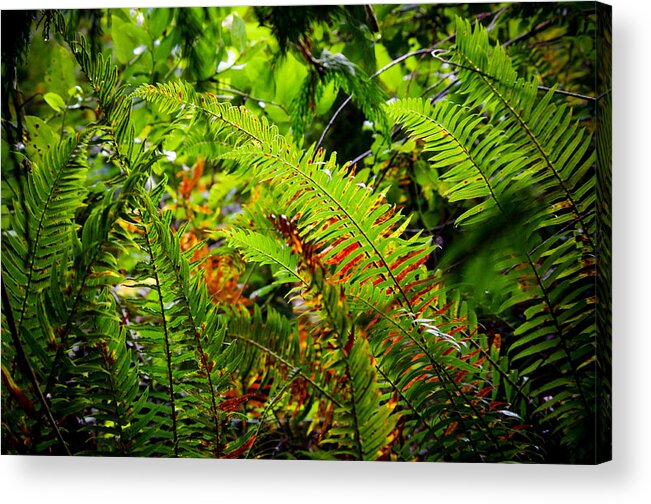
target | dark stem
x=537, y=29
x=168, y=350
x=27, y=369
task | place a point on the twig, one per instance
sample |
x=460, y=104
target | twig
x=435, y=85
x=438, y=96
x=229, y=89
x=537, y=29
x=394, y=62
x=329, y=125
x=246, y=282
x=350, y=97
x=483, y=74
x=361, y=156
x=496, y=16
x=568, y=93
x=386, y=67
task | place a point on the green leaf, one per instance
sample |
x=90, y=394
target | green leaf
x=159, y=19
x=238, y=33
x=128, y=39
x=42, y=139
x=60, y=74
x=55, y=101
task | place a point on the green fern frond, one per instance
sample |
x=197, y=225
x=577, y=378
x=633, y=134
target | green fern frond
x=114, y=408
x=556, y=149
x=190, y=339
x=40, y=234
x=265, y=250
x=360, y=244
x=435, y=366
x=233, y=124
x=366, y=421
x=497, y=162
x=275, y=340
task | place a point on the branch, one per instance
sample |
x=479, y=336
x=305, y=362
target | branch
x=386, y=67
x=391, y=64
x=475, y=70
x=537, y=29
x=568, y=93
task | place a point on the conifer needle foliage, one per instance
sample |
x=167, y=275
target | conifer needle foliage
x=186, y=274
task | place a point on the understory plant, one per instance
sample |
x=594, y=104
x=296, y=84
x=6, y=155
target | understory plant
x=191, y=267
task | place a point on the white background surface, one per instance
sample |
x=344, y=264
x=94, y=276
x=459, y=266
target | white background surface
x=625, y=480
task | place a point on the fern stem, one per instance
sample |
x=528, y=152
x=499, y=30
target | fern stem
x=27, y=369
x=568, y=93
x=34, y=244
x=288, y=365
x=168, y=352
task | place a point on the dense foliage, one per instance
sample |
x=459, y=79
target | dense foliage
x=357, y=233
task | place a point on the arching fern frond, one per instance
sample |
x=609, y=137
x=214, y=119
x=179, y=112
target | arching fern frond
x=366, y=421
x=114, y=408
x=548, y=261
x=557, y=150
x=42, y=226
x=265, y=250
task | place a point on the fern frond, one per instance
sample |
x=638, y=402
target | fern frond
x=499, y=162
x=114, y=408
x=41, y=227
x=36, y=253
x=95, y=267
x=274, y=340
x=437, y=370
x=192, y=353
x=277, y=397
x=366, y=421
x=556, y=149
x=363, y=244
x=232, y=124
x=264, y=250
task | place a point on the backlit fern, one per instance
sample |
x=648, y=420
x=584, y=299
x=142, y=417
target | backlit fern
x=266, y=300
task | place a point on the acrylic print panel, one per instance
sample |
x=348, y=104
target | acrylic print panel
x=369, y=232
